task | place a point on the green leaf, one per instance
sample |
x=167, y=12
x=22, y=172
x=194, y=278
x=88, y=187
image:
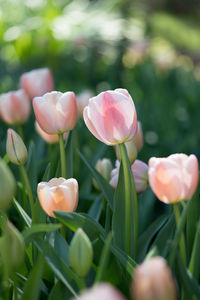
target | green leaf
x=69, y=154
x=33, y=284
x=107, y=190
x=61, y=248
x=77, y=220
x=30, y=233
x=22, y=213
x=59, y=291
x=96, y=208
x=46, y=175
x=32, y=165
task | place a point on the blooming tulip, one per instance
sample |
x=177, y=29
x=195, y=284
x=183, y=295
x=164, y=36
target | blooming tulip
x=140, y=175
x=104, y=167
x=14, y=107
x=49, y=138
x=15, y=148
x=111, y=117
x=58, y=194
x=174, y=178
x=56, y=112
x=103, y=291
x=153, y=280
x=37, y=82
x=82, y=101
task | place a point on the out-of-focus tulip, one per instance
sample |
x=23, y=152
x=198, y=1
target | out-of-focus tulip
x=37, y=82
x=104, y=167
x=56, y=112
x=140, y=175
x=49, y=138
x=7, y=185
x=111, y=117
x=103, y=291
x=15, y=148
x=153, y=280
x=14, y=107
x=12, y=248
x=80, y=253
x=82, y=100
x=58, y=194
x=174, y=178
x=138, y=139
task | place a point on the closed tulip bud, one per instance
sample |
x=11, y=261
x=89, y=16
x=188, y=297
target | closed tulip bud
x=104, y=167
x=15, y=148
x=153, y=280
x=103, y=291
x=174, y=178
x=58, y=194
x=80, y=253
x=82, y=101
x=7, y=185
x=140, y=175
x=12, y=248
x=138, y=139
x=37, y=82
x=56, y=112
x=131, y=151
x=14, y=107
x=49, y=138
x=111, y=117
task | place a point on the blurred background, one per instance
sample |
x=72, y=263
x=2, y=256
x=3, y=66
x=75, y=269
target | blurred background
x=151, y=48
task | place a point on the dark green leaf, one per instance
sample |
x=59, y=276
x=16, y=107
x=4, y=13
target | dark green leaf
x=36, y=229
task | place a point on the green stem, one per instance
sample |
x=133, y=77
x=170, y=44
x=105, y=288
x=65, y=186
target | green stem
x=29, y=190
x=62, y=155
x=182, y=239
x=129, y=191
x=20, y=131
x=195, y=252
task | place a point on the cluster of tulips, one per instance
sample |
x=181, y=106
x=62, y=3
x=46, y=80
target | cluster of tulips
x=111, y=117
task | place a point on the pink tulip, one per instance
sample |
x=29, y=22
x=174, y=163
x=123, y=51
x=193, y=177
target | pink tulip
x=14, y=107
x=140, y=175
x=174, y=178
x=48, y=138
x=58, y=194
x=37, y=82
x=82, y=100
x=153, y=280
x=103, y=291
x=111, y=117
x=56, y=112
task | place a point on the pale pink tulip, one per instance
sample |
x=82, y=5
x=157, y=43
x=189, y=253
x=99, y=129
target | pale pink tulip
x=58, y=194
x=56, y=112
x=37, y=82
x=103, y=291
x=138, y=139
x=174, y=178
x=49, y=138
x=153, y=280
x=14, y=107
x=140, y=175
x=82, y=100
x=111, y=117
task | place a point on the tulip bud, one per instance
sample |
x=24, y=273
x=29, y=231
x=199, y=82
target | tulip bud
x=15, y=148
x=80, y=253
x=104, y=167
x=131, y=151
x=7, y=185
x=153, y=280
x=12, y=248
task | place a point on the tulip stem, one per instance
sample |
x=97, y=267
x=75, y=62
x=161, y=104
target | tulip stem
x=62, y=155
x=182, y=239
x=28, y=186
x=20, y=131
x=130, y=196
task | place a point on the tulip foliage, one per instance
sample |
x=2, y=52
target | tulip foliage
x=73, y=226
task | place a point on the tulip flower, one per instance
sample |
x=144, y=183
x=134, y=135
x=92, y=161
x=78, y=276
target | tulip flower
x=174, y=178
x=82, y=100
x=111, y=117
x=37, y=82
x=153, y=280
x=58, y=194
x=103, y=291
x=15, y=148
x=56, y=112
x=14, y=107
x=104, y=167
x=140, y=175
x=49, y=138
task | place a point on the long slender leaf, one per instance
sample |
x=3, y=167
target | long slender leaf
x=36, y=229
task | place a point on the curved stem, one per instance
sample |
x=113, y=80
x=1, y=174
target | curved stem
x=62, y=155
x=29, y=190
